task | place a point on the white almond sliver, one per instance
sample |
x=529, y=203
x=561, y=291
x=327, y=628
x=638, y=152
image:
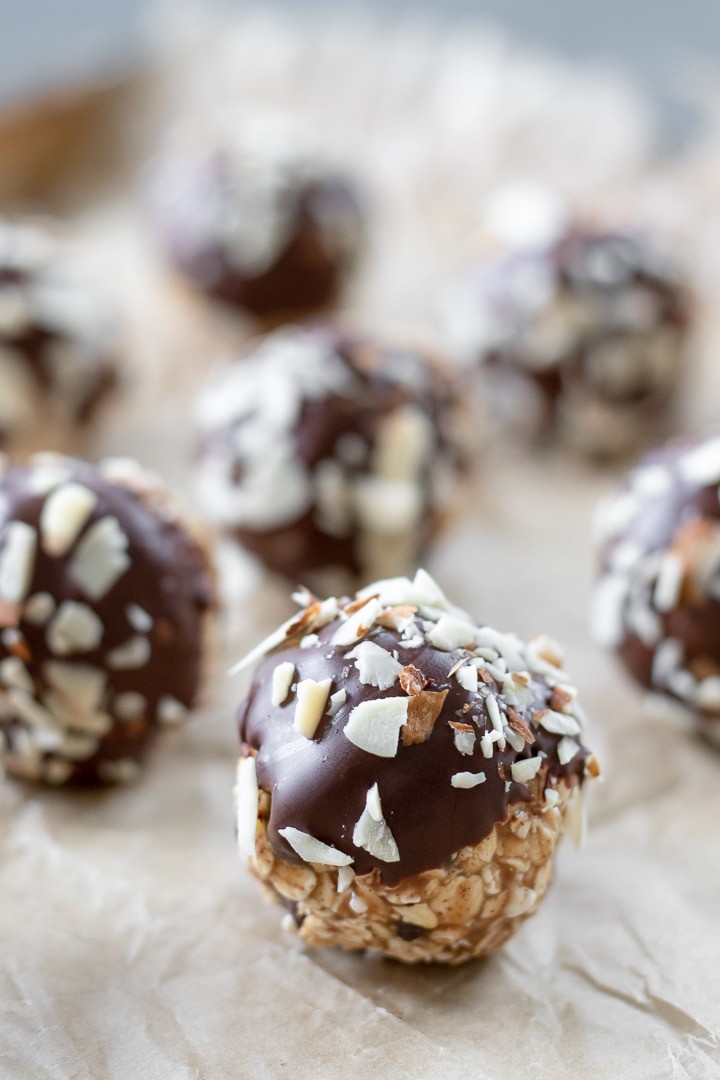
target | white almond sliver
x=374, y=726
x=559, y=723
x=74, y=628
x=376, y=666
x=467, y=779
x=450, y=633
x=131, y=655
x=64, y=516
x=311, y=701
x=345, y=878
x=337, y=700
x=566, y=750
x=139, y=619
x=525, y=770
x=246, y=805
x=17, y=561
x=282, y=678
x=465, y=742
x=668, y=583
x=357, y=625
x=101, y=558
x=467, y=676
x=311, y=850
x=372, y=833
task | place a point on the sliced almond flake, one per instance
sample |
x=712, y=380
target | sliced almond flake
x=337, y=700
x=509, y=648
x=139, y=619
x=376, y=666
x=282, y=678
x=171, y=711
x=246, y=805
x=64, y=515
x=562, y=698
x=309, y=641
x=74, y=628
x=451, y=633
x=81, y=685
x=467, y=676
x=551, y=796
x=467, y=779
x=465, y=742
x=486, y=745
x=423, y=711
x=345, y=878
x=412, y=680
x=519, y=726
x=311, y=850
x=39, y=609
x=666, y=593
x=525, y=770
x=357, y=904
x=516, y=741
x=129, y=656
x=567, y=749
x=311, y=701
x=30, y=710
x=130, y=705
x=357, y=625
x=101, y=558
x=371, y=831
x=374, y=726
x=358, y=604
x=17, y=561
x=558, y=723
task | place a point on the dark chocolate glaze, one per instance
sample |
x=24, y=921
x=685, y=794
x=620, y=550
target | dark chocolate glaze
x=569, y=263
x=695, y=622
x=320, y=785
x=169, y=578
x=383, y=379
x=306, y=273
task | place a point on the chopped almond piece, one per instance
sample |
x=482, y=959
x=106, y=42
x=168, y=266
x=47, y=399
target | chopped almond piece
x=518, y=725
x=412, y=680
x=423, y=710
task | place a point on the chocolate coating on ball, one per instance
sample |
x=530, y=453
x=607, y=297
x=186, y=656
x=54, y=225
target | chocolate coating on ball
x=581, y=338
x=104, y=598
x=251, y=217
x=444, y=783
x=57, y=334
x=657, y=601
x=330, y=450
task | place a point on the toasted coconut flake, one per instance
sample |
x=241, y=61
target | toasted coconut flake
x=311, y=850
x=423, y=711
x=467, y=779
x=246, y=805
x=64, y=515
x=311, y=701
x=567, y=749
x=17, y=561
x=337, y=700
x=412, y=680
x=358, y=624
x=561, y=698
x=372, y=833
x=376, y=666
x=518, y=725
x=74, y=628
x=282, y=678
x=525, y=770
x=374, y=726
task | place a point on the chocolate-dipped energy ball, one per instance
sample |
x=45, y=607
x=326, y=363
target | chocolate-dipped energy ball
x=406, y=774
x=657, y=601
x=57, y=337
x=252, y=216
x=325, y=451
x=104, y=601
x=580, y=329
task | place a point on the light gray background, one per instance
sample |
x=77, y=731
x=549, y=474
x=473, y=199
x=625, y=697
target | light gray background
x=668, y=45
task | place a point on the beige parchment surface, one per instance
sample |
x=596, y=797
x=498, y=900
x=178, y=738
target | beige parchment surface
x=133, y=943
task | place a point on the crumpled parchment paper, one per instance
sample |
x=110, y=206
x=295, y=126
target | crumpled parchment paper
x=133, y=943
